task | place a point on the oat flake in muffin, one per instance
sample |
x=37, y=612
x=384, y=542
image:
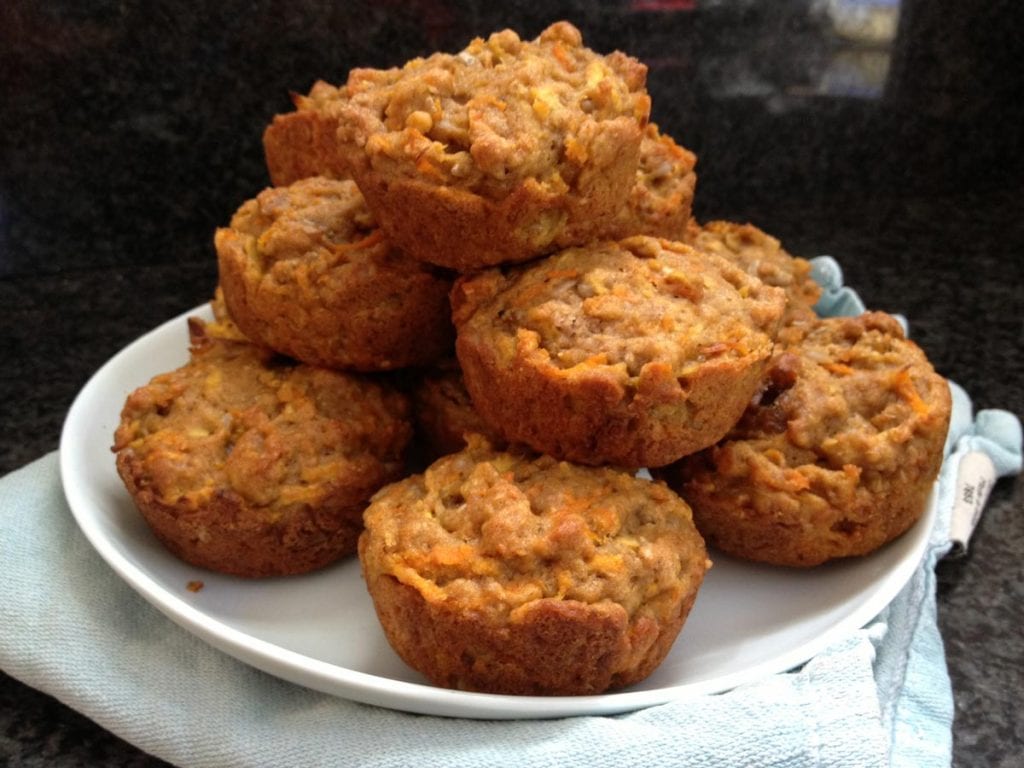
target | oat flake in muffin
x=518, y=574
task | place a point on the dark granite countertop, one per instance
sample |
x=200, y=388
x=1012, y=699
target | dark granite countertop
x=129, y=130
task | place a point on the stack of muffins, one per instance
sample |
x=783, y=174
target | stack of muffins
x=488, y=261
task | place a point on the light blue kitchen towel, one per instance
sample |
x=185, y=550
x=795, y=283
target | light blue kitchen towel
x=70, y=627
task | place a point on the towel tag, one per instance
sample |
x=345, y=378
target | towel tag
x=974, y=479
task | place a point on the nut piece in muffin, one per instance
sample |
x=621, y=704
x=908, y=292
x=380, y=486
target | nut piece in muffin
x=763, y=256
x=305, y=271
x=498, y=153
x=304, y=142
x=836, y=457
x=445, y=414
x=634, y=352
x=247, y=463
x=519, y=575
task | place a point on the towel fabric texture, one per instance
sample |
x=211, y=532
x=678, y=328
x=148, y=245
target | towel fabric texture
x=72, y=628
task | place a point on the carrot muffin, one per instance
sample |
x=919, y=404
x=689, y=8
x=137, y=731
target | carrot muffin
x=445, y=413
x=247, y=463
x=305, y=271
x=634, y=352
x=500, y=152
x=835, y=458
x=661, y=201
x=304, y=142
x=762, y=255
x=518, y=575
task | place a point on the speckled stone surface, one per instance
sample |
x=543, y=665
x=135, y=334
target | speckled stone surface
x=130, y=130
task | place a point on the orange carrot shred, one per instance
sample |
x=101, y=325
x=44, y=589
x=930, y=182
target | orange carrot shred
x=905, y=388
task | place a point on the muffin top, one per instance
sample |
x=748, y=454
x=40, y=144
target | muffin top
x=761, y=255
x=323, y=97
x=318, y=236
x=500, y=112
x=659, y=203
x=660, y=200
x=239, y=419
x=305, y=271
x=496, y=531
x=621, y=306
x=854, y=397
x=325, y=219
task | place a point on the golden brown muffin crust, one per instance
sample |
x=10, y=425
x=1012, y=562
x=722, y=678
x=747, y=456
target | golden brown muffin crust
x=305, y=271
x=661, y=200
x=836, y=457
x=633, y=352
x=763, y=256
x=498, y=113
x=246, y=463
x=304, y=143
x=498, y=152
x=514, y=574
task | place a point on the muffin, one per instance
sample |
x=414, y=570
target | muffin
x=304, y=142
x=661, y=200
x=836, y=457
x=499, y=153
x=760, y=254
x=305, y=271
x=445, y=414
x=246, y=463
x=634, y=352
x=520, y=575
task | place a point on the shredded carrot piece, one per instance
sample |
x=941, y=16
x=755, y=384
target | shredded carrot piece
x=529, y=294
x=563, y=57
x=607, y=563
x=427, y=168
x=840, y=369
x=492, y=100
x=373, y=239
x=797, y=481
x=452, y=554
x=905, y=387
x=575, y=151
x=715, y=348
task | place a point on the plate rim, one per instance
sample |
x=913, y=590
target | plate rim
x=422, y=698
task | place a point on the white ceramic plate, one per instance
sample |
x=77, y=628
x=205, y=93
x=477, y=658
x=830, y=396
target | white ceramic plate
x=320, y=630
